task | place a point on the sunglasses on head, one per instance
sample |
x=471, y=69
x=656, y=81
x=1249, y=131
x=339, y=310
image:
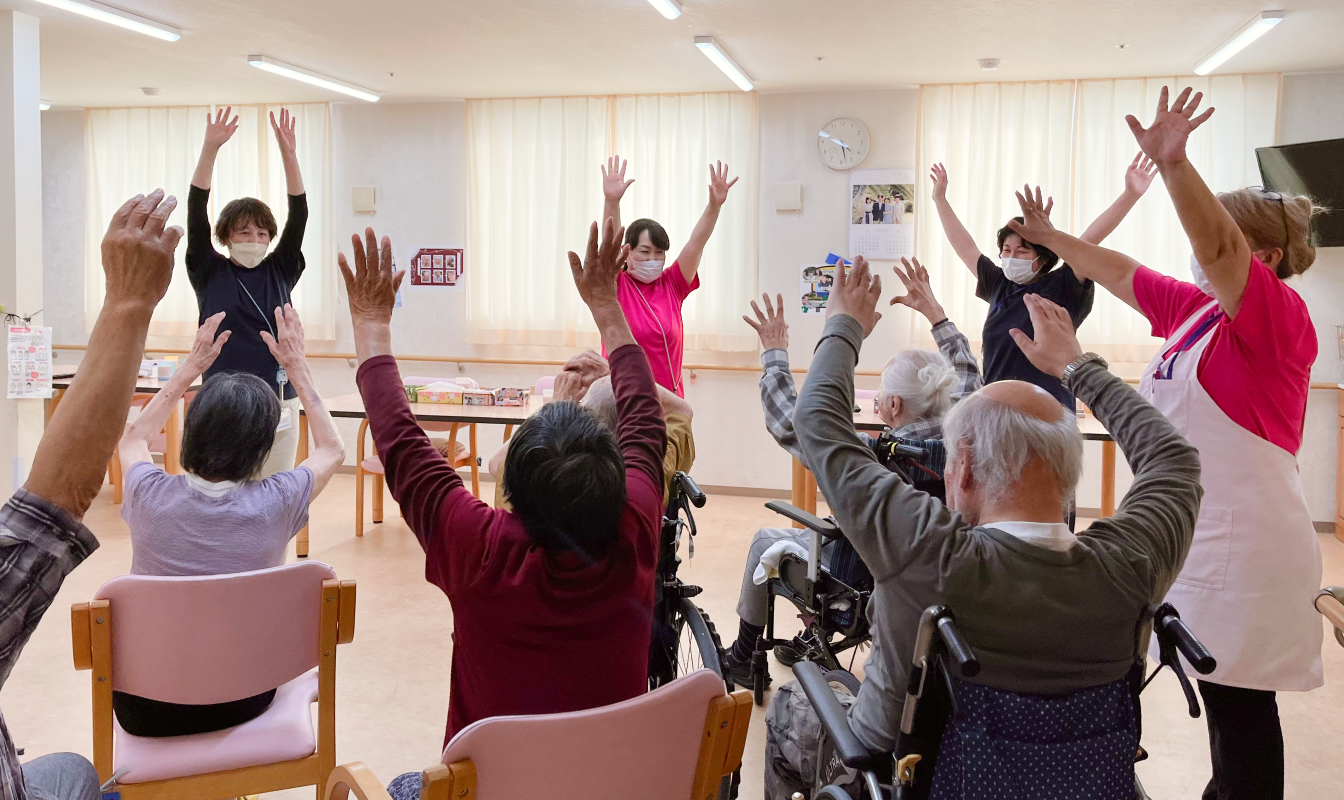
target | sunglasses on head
x=1283, y=210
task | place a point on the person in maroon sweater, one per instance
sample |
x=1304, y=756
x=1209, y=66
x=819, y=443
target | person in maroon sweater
x=552, y=602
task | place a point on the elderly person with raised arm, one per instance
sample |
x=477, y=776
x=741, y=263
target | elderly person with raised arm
x=41, y=536
x=1046, y=611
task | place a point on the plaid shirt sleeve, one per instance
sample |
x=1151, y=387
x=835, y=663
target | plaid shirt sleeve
x=954, y=346
x=778, y=398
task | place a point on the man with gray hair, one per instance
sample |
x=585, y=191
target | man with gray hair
x=1047, y=612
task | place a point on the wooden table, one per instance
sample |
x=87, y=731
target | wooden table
x=172, y=455
x=805, y=483
x=351, y=406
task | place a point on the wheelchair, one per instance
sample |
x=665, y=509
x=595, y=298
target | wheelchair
x=941, y=658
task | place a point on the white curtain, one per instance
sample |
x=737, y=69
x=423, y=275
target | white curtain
x=135, y=150
x=535, y=186
x=1070, y=137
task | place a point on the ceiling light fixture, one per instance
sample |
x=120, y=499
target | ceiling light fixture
x=312, y=78
x=1239, y=41
x=989, y=64
x=44, y=106
x=723, y=61
x=115, y=16
x=668, y=8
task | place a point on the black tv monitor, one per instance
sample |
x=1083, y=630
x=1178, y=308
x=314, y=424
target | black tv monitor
x=1315, y=169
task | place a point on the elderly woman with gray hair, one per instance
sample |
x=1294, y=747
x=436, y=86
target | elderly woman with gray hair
x=917, y=388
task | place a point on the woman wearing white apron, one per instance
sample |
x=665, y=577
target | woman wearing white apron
x=1233, y=376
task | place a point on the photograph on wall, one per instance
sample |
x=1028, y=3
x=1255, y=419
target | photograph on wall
x=817, y=280
x=882, y=213
x=436, y=268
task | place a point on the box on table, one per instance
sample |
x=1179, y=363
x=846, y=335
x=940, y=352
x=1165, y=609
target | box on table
x=412, y=391
x=478, y=397
x=512, y=397
x=441, y=393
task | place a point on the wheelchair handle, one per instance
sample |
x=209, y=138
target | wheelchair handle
x=834, y=720
x=690, y=489
x=827, y=529
x=967, y=664
x=1194, y=651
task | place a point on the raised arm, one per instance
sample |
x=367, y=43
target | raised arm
x=779, y=397
x=218, y=130
x=1114, y=271
x=952, y=343
x=614, y=185
x=284, y=136
x=328, y=452
x=689, y=259
x=1219, y=245
x=963, y=244
x=134, y=445
x=71, y=459
x=1138, y=177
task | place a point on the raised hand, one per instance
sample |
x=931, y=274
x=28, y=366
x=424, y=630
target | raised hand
x=856, y=295
x=596, y=276
x=1139, y=175
x=770, y=326
x=614, y=183
x=938, y=174
x=287, y=345
x=918, y=291
x=589, y=365
x=138, y=250
x=284, y=131
x=206, y=348
x=719, y=183
x=1036, y=226
x=1056, y=343
x=1164, y=140
x=219, y=128
x=371, y=286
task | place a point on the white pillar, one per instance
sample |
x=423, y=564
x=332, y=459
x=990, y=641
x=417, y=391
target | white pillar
x=20, y=222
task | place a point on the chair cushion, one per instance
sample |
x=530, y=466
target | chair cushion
x=372, y=464
x=284, y=733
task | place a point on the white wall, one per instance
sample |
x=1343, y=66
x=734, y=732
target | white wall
x=63, y=200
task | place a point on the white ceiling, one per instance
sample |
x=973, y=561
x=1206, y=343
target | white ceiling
x=438, y=49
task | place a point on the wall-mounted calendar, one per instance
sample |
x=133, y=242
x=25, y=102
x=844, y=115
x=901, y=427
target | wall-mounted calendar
x=882, y=214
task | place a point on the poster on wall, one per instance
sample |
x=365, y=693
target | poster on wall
x=817, y=280
x=440, y=268
x=29, y=363
x=882, y=213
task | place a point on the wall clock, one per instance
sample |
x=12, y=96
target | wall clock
x=843, y=143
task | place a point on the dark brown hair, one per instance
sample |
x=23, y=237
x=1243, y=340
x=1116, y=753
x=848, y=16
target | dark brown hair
x=240, y=212
x=230, y=427
x=1045, y=254
x=657, y=236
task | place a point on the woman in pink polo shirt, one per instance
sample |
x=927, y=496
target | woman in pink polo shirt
x=650, y=294
x=1233, y=376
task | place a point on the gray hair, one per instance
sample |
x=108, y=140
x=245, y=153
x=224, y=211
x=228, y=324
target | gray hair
x=1002, y=440
x=601, y=402
x=922, y=379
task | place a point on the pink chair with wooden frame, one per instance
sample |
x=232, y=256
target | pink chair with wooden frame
x=212, y=639
x=675, y=743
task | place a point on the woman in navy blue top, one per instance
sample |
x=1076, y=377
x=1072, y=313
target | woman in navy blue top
x=1026, y=268
x=250, y=283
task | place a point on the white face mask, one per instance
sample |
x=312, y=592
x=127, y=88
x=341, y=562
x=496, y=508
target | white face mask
x=1018, y=270
x=1201, y=280
x=645, y=271
x=248, y=254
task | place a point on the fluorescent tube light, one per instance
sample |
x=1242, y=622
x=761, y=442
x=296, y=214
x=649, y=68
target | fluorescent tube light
x=312, y=78
x=44, y=106
x=668, y=8
x=115, y=16
x=1240, y=40
x=722, y=60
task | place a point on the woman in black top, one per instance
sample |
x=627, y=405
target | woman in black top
x=1025, y=268
x=249, y=284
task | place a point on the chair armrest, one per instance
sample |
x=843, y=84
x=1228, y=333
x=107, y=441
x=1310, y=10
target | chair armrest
x=833, y=718
x=81, y=640
x=345, y=623
x=821, y=526
x=358, y=778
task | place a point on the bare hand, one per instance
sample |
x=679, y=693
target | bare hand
x=1036, y=226
x=614, y=183
x=588, y=364
x=284, y=131
x=372, y=286
x=719, y=184
x=919, y=291
x=219, y=129
x=206, y=348
x=287, y=347
x=1164, y=140
x=938, y=174
x=596, y=276
x=770, y=326
x=1056, y=343
x=570, y=385
x=856, y=295
x=138, y=250
x=1139, y=175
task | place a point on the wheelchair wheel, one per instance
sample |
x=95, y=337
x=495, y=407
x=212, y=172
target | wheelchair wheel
x=698, y=644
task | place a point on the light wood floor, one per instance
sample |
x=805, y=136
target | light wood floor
x=392, y=683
